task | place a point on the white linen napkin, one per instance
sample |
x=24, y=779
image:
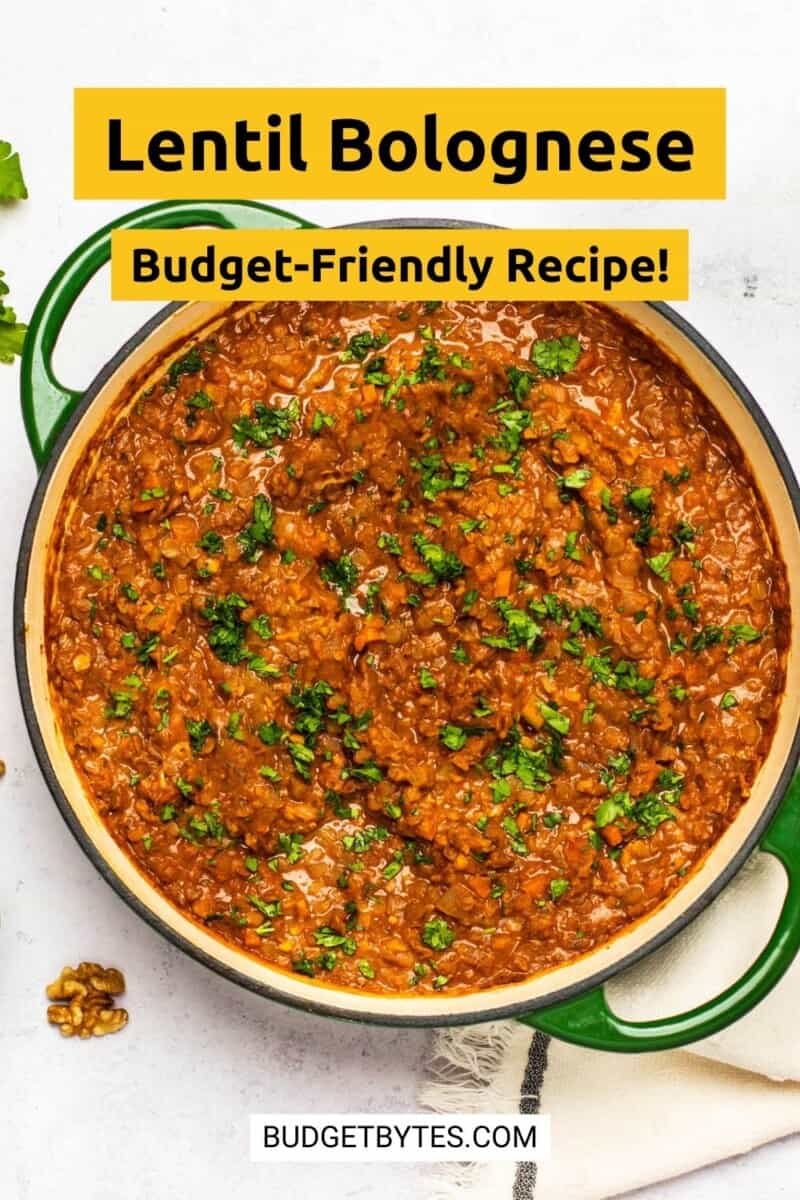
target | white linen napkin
x=674, y=1111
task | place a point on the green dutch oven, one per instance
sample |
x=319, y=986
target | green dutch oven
x=569, y=1001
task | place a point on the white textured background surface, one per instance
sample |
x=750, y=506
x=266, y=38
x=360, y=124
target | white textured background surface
x=160, y=1111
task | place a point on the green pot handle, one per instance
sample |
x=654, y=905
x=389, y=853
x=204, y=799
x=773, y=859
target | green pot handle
x=46, y=403
x=588, y=1021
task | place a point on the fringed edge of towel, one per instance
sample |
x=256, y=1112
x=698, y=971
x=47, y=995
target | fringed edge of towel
x=495, y=1067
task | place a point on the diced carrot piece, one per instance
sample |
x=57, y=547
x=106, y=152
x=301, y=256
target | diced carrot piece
x=370, y=631
x=479, y=884
x=502, y=583
x=682, y=571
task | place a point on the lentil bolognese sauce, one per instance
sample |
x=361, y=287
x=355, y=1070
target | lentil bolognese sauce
x=416, y=647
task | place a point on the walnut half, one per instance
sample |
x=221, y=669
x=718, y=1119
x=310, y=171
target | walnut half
x=87, y=1007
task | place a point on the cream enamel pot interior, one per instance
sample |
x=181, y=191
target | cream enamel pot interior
x=568, y=1001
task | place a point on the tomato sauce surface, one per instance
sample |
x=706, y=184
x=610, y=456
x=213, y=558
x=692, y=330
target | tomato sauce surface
x=417, y=648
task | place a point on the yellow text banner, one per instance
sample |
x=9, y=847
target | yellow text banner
x=400, y=264
x=400, y=143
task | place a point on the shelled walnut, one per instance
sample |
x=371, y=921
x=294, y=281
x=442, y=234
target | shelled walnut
x=87, y=1006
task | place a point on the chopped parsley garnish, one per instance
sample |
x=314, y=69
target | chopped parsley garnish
x=303, y=966
x=468, y=599
x=311, y=706
x=199, y=401
x=227, y=633
x=709, y=635
x=608, y=507
x=520, y=383
x=189, y=364
x=640, y=500
x=120, y=705
x=575, y=480
x=390, y=544
x=302, y=756
x=341, y=574
x=454, y=737
x=208, y=825
x=437, y=934
x=521, y=629
x=367, y=772
x=266, y=425
x=332, y=939
x=691, y=610
x=290, y=845
x=430, y=365
x=514, y=422
x=648, y=811
x=262, y=626
x=234, y=727
x=550, y=607
x=556, y=356
x=120, y=532
x=433, y=481
x=558, y=887
x=259, y=534
x=618, y=764
x=268, y=908
x=530, y=765
x=557, y=721
x=199, y=732
x=684, y=534
x=512, y=831
x=739, y=634
x=211, y=542
x=375, y=372
x=441, y=563
x=586, y=619
x=571, y=547
x=659, y=564
x=262, y=668
x=360, y=345
x=623, y=675
x=144, y=651
x=321, y=420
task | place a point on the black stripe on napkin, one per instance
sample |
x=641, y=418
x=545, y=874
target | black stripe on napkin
x=529, y=1101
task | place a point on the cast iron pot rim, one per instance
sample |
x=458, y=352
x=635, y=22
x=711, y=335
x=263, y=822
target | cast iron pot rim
x=273, y=991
